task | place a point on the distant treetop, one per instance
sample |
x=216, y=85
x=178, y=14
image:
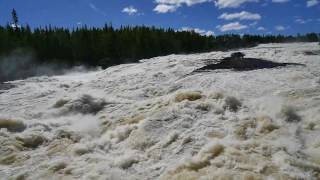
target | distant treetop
x=15, y=19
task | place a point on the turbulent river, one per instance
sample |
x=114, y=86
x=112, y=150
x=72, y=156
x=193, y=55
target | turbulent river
x=157, y=120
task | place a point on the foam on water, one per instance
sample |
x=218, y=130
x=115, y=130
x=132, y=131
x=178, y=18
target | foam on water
x=154, y=121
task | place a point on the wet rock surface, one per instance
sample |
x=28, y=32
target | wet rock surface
x=245, y=64
x=12, y=125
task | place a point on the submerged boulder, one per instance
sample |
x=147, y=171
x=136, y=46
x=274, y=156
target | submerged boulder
x=190, y=96
x=12, y=125
x=86, y=104
x=31, y=141
x=232, y=104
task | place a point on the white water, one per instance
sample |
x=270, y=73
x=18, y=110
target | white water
x=130, y=126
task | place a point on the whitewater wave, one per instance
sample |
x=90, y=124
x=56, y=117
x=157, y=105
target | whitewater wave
x=155, y=120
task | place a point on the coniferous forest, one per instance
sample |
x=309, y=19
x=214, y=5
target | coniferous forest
x=108, y=46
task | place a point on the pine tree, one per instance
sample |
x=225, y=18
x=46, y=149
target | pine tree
x=15, y=19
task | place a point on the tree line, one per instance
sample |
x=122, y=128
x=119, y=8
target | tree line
x=109, y=46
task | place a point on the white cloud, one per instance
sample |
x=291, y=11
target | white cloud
x=311, y=3
x=232, y=3
x=130, y=10
x=165, y=8
x=253, y=24
x=280, y=1
x=199, y=31
x=209, y=33
x=261, y=28
x=302, y=21
x=94, y=8
x=180, y=2
x=280, y=28
x=244, y=15
x=234, y=26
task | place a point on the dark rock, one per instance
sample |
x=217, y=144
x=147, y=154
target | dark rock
x=245, y=64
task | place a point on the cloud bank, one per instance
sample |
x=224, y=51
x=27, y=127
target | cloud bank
x=243, y=15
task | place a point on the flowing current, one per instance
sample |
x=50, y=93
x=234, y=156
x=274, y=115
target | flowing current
x=155, y=120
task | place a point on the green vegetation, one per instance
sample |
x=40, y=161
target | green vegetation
x=109, y=46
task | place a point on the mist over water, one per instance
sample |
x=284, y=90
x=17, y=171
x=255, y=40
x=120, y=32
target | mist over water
x=23, y=63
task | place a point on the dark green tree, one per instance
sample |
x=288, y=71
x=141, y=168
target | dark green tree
x=15, y=19
x=108, y=46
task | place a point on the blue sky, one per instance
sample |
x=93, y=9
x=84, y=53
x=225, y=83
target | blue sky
x=204, y=16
